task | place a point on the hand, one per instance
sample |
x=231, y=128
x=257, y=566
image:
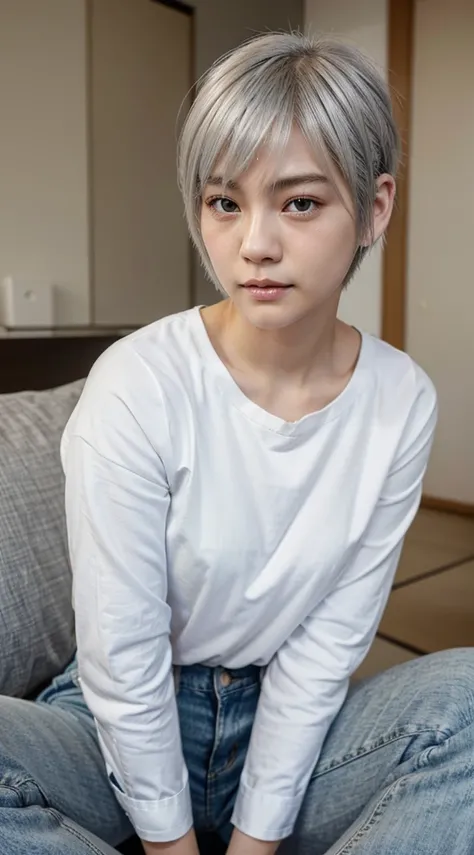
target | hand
x=242, y=844
x=186, y=845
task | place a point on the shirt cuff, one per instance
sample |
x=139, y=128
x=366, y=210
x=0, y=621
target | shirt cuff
x=263, y=815
x=158, y=821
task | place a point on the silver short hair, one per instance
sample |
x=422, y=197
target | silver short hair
x=255, y=94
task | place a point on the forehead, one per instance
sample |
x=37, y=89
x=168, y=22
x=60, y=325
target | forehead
x=275, y=168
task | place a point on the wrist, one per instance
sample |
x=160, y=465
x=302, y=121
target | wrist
x=242, y=844
x=186, y=845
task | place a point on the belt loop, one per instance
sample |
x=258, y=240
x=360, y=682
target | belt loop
x=176, y=677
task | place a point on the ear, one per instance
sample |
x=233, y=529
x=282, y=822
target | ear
x=383, y=207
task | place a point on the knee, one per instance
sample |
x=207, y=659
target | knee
x=448, y=683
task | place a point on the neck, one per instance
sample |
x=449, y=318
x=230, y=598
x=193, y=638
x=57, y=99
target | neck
x=297, y=353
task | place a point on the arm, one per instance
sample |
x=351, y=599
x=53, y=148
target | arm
x=242, y=844
x=117, y=500
x=306, y=683
x=187, y=845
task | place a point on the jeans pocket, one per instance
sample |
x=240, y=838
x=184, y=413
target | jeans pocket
x=68, y=682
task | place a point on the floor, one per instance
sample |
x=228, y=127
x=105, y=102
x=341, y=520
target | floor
x=431, y=605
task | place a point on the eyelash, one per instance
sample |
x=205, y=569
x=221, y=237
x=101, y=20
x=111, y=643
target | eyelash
x=300, y=214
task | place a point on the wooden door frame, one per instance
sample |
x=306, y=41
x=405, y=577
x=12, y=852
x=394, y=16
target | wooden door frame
x=401, y=25
x=401, y=34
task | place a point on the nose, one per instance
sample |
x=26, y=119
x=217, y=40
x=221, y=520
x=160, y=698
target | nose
x=260, y=239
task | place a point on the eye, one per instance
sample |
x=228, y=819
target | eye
x=222, y=205
x=302, y=205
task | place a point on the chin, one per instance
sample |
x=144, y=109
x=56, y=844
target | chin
x=271, y=316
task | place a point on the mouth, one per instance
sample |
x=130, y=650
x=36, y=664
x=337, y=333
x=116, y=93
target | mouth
x=265, y=283
x=266, y=290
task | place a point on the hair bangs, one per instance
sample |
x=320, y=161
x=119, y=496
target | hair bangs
x=235, y=136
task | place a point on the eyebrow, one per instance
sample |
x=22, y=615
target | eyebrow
x=275, y=186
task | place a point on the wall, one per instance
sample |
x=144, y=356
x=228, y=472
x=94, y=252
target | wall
x=440, y=304
x=363, y=22
x=43, y=162
x=44, y=204
x=221, y=25
x=141, y=71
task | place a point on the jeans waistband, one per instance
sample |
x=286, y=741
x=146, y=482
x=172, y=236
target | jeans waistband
x=203, y=677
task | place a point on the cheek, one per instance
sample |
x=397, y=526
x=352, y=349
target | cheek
x=209, y=231
x=323, y=256
x=217, y=242
x=331, y=243
x=214, y=250
x=206, y=233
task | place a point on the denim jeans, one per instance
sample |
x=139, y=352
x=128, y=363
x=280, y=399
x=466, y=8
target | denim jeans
x=395, y=777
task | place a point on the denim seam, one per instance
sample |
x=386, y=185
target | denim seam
x=59, y=819
x=364, y=751
x=211, y=776
x=229, y=763
x=373, y=819
x=57, y=816
x=17, y=788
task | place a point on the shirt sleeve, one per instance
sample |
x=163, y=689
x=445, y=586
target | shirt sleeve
x=306, y=682
x=117, y=500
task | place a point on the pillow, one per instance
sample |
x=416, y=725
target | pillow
x=36, y=617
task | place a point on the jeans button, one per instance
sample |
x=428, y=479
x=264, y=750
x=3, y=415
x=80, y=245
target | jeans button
x=226, y=679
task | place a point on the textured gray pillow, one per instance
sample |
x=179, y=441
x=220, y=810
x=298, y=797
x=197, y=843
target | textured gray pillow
x=36, y=618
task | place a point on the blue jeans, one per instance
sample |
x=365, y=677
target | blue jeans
x=395, y=777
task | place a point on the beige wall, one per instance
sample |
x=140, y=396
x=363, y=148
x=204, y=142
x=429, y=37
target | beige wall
x=363, y=22
x=441, y=228
x=141, y=72
x=43, y=152
x=221, y=25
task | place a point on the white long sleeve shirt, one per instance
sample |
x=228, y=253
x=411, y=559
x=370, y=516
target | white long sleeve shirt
x=203, y=529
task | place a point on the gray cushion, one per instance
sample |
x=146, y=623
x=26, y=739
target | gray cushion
x=36, y=618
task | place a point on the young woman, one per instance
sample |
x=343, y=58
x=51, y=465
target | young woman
x=239, y=480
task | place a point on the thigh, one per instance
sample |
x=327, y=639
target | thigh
x=384, y=723
x=49, y=755
x=37, y=831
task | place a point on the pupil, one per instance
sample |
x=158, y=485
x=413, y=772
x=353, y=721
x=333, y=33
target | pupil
x=302, y=204
x=227, y=206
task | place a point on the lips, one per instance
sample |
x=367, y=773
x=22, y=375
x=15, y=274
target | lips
x=266, y=290
x=265, y=283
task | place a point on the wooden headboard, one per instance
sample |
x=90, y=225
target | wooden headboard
x=41, y=363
